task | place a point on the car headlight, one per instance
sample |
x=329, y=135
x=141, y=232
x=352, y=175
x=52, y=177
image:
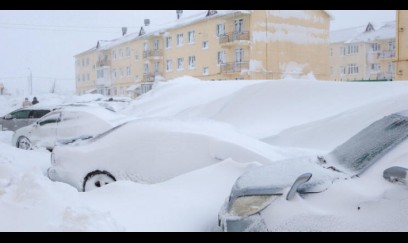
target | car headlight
x=248, y=205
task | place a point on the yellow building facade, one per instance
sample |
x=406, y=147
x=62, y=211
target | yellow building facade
x=402, y=45
x=363, y=53
x=213, y=45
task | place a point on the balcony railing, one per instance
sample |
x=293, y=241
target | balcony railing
x=234, y=36
x=150, y=77
x=152, y=53
x=234, y=67
x=101, y=63
x=386, y=54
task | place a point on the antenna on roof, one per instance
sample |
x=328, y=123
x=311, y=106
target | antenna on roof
x=179, y=13
x=124, y=31
x=147, y=22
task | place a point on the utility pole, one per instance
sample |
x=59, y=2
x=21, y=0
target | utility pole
x=30, y=82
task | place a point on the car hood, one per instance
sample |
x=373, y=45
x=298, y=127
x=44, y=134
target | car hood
x=275, y=178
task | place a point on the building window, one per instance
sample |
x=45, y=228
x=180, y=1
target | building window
x=136, y=56
x=375, y=67
x=180, y=63
x=145, y=68
x=114, y=54
x=179, y=39
x=137, y=77
x=205, y=71
x=391, y=45
x=220, y=57
x=99, y=74
x=342, y=70
x=121, y=91
x=156, y=67
x=128, y=73
x=145, y=46
x=156, y=45
x=239, y=25
x=127, y=52
x=352, y=49
x=342, y=51
x=191, y=37
x=114, y=73
x=331, y=52
x=239, y=55
x=205, y=44
x=375, y=46
x=77, y=63
x=87, y=77
x=191, y=62
x=168, y=65
x=390, y=67
x=168, y=41
x=120, y=53
x=115, y=92
x=352, y=69
x=220, y=29
x=121, y=72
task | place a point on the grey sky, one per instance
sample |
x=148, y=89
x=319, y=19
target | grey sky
x=46, y=41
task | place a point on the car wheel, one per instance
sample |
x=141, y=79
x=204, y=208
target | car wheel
x=23, y=143
x=96, y=179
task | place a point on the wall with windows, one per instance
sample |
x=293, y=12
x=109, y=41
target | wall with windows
x=254, y=44
x=85, y=71
x=402, y=45
x=363, y=53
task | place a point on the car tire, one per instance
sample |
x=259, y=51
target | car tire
x=24, y=143
x=96, y=179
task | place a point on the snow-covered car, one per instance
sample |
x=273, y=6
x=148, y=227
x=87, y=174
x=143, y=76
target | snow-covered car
x=256, y=192
x=147, y=151
x=22, y=117
x=64, y=124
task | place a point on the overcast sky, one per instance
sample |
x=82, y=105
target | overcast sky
x=46, y=41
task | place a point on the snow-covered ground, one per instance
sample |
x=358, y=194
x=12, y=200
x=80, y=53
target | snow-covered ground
x=291, y=117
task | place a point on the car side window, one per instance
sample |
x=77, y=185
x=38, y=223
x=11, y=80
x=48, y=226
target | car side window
x=20, y=114
x=39, y=113
x=53, y=118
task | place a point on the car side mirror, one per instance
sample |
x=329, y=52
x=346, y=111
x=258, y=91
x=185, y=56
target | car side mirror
x=8, y=117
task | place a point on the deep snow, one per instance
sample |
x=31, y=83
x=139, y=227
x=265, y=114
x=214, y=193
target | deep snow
x=297, y=117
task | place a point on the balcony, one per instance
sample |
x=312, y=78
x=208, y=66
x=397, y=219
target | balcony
x=153, y=54
x=230, y=38
x=386, y=54
x=150, y=77
x=234, y=67
x=102, y=63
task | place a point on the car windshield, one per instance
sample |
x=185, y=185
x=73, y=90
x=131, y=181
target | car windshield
x=373, y=142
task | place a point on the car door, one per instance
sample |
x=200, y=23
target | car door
x=16, y=120
x=44, y=132
x=35, y=115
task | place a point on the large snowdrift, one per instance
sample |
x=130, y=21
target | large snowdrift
x=307, y=114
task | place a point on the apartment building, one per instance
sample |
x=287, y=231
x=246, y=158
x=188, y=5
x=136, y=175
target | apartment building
x=212, y=45
x=402, y=45
x=363, y=53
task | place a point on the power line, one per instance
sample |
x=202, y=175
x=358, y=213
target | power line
x=61, y=30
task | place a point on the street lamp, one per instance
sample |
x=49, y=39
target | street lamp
x=30, y=82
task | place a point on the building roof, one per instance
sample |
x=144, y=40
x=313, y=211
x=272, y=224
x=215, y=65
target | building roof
x=163, y=28
x=382, y=31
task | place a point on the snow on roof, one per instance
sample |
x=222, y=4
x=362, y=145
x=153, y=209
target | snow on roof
x=382, y=31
